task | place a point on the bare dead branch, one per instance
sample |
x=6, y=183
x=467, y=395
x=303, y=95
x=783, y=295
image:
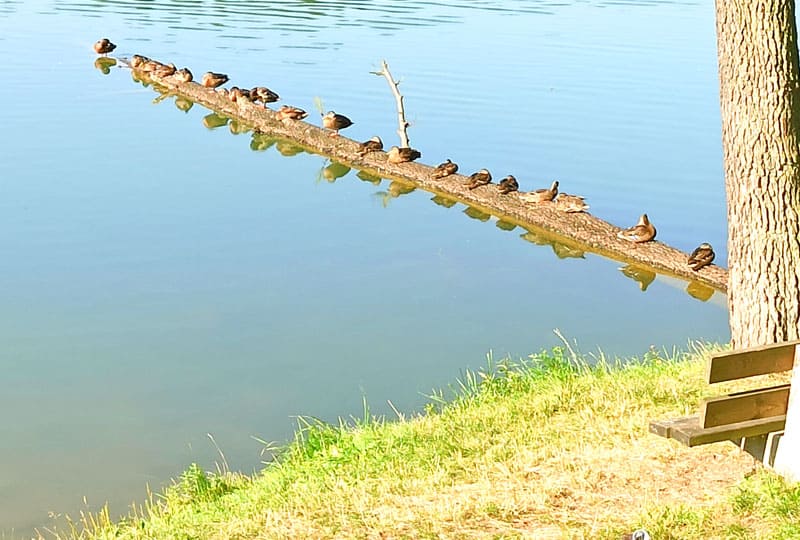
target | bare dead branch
x=402, y=131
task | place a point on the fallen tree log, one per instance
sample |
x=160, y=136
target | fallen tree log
x=580, y=231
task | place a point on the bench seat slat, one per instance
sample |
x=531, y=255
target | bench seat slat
x=687, y=430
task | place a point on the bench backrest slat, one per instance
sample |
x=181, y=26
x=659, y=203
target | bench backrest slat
x=750, y=362
x=745, y=406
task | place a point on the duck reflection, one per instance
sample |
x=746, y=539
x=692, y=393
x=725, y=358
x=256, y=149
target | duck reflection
x=369, y=177
x=641, y=275
x=334, y=171
x=699, y=291
x=535, y=238
x=441, y=200
x=474, y=213
x=261, y=142
x=183, y=104
x=505, y=225
x=163, y=93
x=238, y=128
x=140, y=79
x=214, y=121
x=288, y=148
x=396, y=189
x=561, y=250
x=104, y=64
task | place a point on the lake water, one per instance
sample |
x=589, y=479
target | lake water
x=162, y=281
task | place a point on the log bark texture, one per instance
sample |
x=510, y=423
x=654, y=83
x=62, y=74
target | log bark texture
x=758, y=71
x=579, y=231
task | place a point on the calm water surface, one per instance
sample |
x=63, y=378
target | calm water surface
x=162, y=280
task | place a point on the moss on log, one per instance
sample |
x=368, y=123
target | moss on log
x=578, y=231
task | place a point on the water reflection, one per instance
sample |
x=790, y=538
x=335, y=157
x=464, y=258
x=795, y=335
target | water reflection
x=215, y=121
x=561, y=250
x=505, y=225
x=373, y=179
x=699, y=291
x=163, y=93
x=396, y=189
x=238, y=128
x=475, y=213
x=441, y=200
x=104, y=64
x=261, y=142
x=140, y=79
x=289, y=149
x=641, y=275
x=333, y=171
x=183, y=104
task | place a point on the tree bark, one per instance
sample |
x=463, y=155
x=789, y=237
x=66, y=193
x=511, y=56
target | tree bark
x=758, y=71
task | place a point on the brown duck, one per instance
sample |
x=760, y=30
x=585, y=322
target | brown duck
x=239, y=95
x=104, y=46
x=137, y=61
x=402, y=155
x=571, y=204
x=375, y=144
x=183, y=75
x=214, y=80
x=508, y=184
x=444, y=169
x=287, y=112
x=263, y=94
x=164, y=70
x=150, y=66
x=541, y=195
x=702, y=256
x=643, y=231
x=480, y=178
x=335, y=122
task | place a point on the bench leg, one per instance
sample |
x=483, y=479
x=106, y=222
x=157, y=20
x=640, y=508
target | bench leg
x=772, y=447
x=762, y=447
x=787, y=457
x=756, y=446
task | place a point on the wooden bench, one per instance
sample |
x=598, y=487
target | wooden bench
x=753, y=419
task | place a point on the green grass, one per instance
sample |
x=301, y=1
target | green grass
x=549, y=447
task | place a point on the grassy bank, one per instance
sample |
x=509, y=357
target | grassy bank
x=546, y=448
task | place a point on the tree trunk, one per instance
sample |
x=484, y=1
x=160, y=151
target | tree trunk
x=759, y=87
x=758, y=71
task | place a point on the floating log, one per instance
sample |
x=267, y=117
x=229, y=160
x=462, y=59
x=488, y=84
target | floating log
x=580, y=231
